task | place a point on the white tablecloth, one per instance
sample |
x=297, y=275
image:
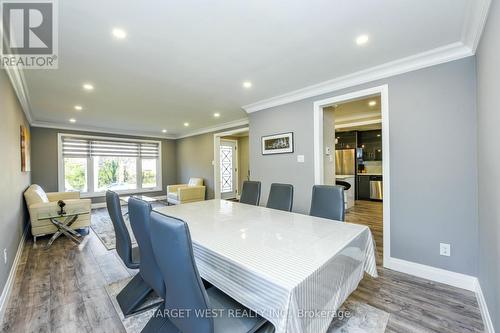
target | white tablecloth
x=295, y=270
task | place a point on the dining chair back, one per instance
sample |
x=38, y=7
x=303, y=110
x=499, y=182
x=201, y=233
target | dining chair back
x=250, y=193
x=123, y=242
x=280, y=197
x=140, y=221
x=328, y=202
x=171, y=242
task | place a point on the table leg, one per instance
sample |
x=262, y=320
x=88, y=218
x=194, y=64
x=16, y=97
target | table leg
x=64, y=228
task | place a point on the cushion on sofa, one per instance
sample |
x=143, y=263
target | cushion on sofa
x=35, y=194
x=195, y=182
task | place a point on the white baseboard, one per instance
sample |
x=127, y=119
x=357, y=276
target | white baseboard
x=12, y=275
x=432, y=273
x=103, y=204
x=488, y=323
x=454, y=279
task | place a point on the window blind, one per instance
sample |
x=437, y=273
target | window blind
x=86, y=147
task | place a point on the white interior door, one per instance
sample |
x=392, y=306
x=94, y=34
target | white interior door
x=228, y=168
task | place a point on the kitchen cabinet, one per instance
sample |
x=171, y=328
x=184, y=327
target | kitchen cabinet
x=345, y=140
x=371, y=142
x=363, y=188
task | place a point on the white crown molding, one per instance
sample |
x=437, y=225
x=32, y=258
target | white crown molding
x=18, y=82
x=224, y=126
x=240, y=122
x=483, y=307
x=94, y=129
x=433, y=57
x=475, y=21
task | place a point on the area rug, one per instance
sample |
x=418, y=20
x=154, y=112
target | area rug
x=103, y=227
x=135, y=322
x=357, y=317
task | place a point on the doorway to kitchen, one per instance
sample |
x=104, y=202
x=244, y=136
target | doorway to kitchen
x=231, y=156
x=351, y=149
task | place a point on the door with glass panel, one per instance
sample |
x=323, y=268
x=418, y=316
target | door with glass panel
x=228, y=169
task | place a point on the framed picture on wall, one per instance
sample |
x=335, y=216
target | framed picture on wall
x=277, y=144
x=25, y=149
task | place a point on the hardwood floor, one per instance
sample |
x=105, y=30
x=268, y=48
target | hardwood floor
x=369, y=213
x=414, y=304
x=62, y=290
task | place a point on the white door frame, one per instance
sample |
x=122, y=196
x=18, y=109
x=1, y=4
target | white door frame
x=236, y=178
x=216, y=160
x=318, y=150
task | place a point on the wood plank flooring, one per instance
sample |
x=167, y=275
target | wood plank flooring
x=62, y=290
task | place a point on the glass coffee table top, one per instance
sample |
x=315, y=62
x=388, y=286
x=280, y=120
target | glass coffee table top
x=141, y=197
x=52, y=214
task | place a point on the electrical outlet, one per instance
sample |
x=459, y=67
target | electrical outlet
x=5, y=256
x=444, y=249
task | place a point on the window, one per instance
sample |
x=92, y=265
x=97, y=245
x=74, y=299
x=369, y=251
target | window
x=93, y=165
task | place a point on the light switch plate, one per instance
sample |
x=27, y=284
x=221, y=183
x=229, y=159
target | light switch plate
x=300, y=158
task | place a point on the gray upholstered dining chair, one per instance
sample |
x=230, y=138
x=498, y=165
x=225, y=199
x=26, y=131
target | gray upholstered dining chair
x=135, y=292
x=328, y=202
x=140, y=220
x=173, y=249
x=250, y=193
x=280, y=197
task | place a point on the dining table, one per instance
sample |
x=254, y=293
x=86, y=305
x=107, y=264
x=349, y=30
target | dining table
x=293, y=269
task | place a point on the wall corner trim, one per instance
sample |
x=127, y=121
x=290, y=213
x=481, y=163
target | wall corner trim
x=483, y=307
x=7, y=289
x=475, y=22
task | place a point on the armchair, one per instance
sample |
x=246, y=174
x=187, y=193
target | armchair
x=183, y=193
x=39, y=202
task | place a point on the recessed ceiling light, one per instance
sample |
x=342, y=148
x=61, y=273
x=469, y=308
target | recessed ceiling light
x=362, y=39
x=372, y=103
x=247, y=84
x=88, y=87
x=186, y=124
x=216, y=114
x=78, y=108
x=164, y=131
x=72, y=120
x=119, y=33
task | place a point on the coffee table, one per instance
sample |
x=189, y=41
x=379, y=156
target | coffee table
x=63, y=223
x=141, y=197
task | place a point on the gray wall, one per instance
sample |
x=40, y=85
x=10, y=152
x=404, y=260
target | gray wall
x=194, y=159
x=433, y=143
x=13, y=182
x=488, y=88
x=44, y=159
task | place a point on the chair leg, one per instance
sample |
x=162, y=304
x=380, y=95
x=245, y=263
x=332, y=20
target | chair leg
x=133, y=295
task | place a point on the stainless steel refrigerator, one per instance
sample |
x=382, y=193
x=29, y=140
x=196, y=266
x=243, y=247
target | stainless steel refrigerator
x=345, y=161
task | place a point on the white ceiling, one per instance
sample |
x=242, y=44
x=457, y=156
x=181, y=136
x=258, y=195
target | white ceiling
x=184, y=60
